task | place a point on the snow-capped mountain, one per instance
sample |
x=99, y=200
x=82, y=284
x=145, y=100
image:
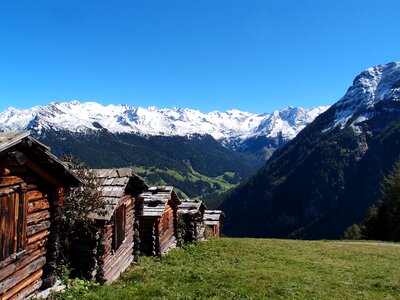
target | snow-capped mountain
x=228, y=127
x=376, y=84
x=327, y=177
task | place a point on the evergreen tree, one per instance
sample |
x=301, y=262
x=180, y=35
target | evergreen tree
x=388, y=218
x=382, y=222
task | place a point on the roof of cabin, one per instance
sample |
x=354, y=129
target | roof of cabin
x=212, y=217
x=114, y=184
x=156, y=198
x=39, y=155
x=189, y=206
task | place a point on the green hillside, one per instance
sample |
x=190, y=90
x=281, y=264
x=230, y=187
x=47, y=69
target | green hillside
x=259, y=269
x=198, y=166
x=190, y=184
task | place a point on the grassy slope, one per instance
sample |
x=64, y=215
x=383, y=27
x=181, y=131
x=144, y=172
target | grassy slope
x=261, y=268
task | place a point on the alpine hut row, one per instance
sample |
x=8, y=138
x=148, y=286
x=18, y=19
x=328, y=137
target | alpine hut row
x=136, y=219
x=32, y=185
x=158, y=222
x=116, y=242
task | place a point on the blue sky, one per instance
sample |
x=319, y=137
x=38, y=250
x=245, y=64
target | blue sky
x=206, y=54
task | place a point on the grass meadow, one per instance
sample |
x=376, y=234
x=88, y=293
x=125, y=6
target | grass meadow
x=233, y=268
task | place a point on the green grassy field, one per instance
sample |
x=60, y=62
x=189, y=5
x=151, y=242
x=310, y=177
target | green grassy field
x=230, y=268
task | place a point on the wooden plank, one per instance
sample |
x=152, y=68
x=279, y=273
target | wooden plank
x=38, y=236
x=21, y=274
x=2, y=226
x=119, y=269
x=22, y=220
x=15, y=205
x=166, y=247
x=8, y=190
x=35, y=206
x=38, y=217
x=35, y=195
x=125, y=250
x=28, y=250
x=20, y=263
x=33, y=246
x=24, y=293
x=20, y=286
x=10, y=180
x=33, y=229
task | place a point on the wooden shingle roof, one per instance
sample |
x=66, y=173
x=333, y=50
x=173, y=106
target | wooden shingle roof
x=156, y=198
x=114, y=184
x=189, y=206
x=212, y=217
x=36, y=155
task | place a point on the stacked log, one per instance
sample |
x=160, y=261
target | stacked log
x=138, y=210
x=53, y=249
x=21, y=273
x=168, y=229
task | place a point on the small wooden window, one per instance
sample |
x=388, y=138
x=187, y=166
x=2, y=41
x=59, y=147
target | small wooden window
x=119, y=226
x=13, y=221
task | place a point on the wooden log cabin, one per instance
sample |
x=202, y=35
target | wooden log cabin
x=32, y=185
x=158, y=222
x=116, y=242
x=213, y=222
x=192, y=214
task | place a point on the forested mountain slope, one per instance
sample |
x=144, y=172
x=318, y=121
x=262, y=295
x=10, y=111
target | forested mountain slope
x=326, y=178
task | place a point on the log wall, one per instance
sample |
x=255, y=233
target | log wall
x=194, y=227
x=113, y=262
x=149, y=237
x=167, y=228
x=158, y=234
x=96, y=257
x=25, y=268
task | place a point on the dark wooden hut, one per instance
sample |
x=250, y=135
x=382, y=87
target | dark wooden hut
x=115, y=244
x=32, y=185
x=192, y=214
x=158, y=222
x=213, y=222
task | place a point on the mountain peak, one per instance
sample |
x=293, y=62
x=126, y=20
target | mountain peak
x=379, y=83
x=229, y=126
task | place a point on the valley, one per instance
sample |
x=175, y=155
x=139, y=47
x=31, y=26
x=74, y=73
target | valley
x=201, y=154
x=292, y=173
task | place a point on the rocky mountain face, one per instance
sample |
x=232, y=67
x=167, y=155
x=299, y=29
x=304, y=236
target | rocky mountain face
x=234, y=129
x=326, y=177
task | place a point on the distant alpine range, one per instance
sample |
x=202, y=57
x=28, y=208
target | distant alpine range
x=234, y=129
x=305, y=173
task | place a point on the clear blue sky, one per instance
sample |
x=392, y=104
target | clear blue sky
x=205, y=54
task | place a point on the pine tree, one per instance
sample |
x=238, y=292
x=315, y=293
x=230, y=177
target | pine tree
x=388, y=219
x=382, y=222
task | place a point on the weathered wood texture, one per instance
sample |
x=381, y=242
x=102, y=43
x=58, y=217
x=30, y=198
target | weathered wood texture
x=25, y=227
x=116, y=252
x=192, y=214
x=29, y=205
x=103, y=258
x=213, y=221
x=158, y=224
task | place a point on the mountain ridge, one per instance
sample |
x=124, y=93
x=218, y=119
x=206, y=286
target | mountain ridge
x=231, y=128
x=326, y=178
